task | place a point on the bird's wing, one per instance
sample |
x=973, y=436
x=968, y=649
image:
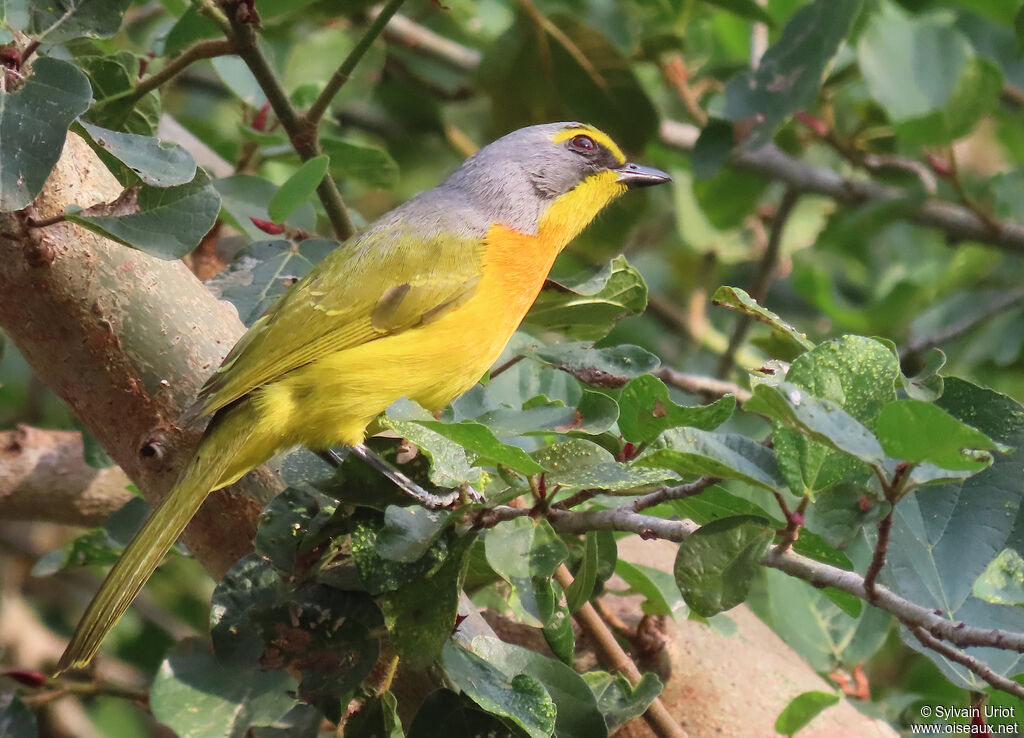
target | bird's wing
x=387, y=281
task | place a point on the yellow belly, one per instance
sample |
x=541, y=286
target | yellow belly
x=332, y=400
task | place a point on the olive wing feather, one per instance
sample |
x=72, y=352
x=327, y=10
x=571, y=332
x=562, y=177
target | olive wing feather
x=387, y=281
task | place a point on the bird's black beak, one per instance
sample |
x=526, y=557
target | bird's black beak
x=634, y=175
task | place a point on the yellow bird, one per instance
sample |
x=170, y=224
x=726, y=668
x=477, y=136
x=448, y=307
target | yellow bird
x=419, y=305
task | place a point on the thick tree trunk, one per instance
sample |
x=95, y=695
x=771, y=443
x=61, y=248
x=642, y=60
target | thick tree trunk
x=124, y=338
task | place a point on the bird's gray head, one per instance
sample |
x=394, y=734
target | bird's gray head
x=516, y=178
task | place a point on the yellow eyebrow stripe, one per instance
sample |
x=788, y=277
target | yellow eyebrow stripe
x=600, y=136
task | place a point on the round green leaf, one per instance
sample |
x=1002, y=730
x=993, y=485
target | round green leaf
x=34, y=122
x=716, y=565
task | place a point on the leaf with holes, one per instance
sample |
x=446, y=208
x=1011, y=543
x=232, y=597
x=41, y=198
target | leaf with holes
x=164, y=221
x=153, y=161
x=263, y=271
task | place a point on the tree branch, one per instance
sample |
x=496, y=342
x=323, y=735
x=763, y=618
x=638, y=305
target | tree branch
x=43, y=476
x=801, y=567
x=958, y=222
x=301, y=132
x=343, y=72
x=707, y=387
x=124, y=356
x=918, y=346
x=198, y=51
x=616, y=660
x=980, y=668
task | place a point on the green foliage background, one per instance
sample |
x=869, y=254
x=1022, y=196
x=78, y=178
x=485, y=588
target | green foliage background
x=921, y=100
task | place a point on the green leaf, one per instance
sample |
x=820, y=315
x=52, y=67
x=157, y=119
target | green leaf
x=421, y=615
x=290, y=524
x=110, y=77
x=377, y=718
x=525, y=553
x=244, y=197
x=1002, y=582
x=917, y=431
x=558, y=632
x=925, y=75
x=825, y=634
x=645, y=410
x=726, y=455
x=57, y=21
x=16, y=720
x=802, y=710
x=817, y=418
x=409, y=531
x=856, y=374
x=586, y=78
x=747, y=9
x=164, y=221
x=445, y=713
x=1018, y=27
x=716, y=565
x=577, y=710
x=602, y=367
x=449, y=466
x=618, y=700
x=595, y=414
x=379, y=573
x=588, y=307
x=659, y=589
x=713, y=147
x=154, y=162
x=582, y=464
x=736, y=299
x=323, y=636
x=298, y=189
x=479, y=439
x=368, y=164
x=197, y=697
x=791, y=70
x=191, y=26
x=34, y=122
x=585, y=576
x=521, y=699
x=944, y=538
x=264, y=270
x=927, y=383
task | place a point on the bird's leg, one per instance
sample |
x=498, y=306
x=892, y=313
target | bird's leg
x=400, y=480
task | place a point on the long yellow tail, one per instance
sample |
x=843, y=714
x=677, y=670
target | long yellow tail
x=227, y=451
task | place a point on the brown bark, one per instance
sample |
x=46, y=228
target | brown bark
x=43, y=476
x=125, y=339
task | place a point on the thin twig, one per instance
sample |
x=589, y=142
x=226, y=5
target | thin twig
x=878, y=557
x=506, y=366
x=200, y=50
x=765, y=271
x=344, y=72
x=794, y=564
x=707, y=387
x=918, y=346
x=678, y=492
x=613, y=658
x=972, y=664
x=303, y=135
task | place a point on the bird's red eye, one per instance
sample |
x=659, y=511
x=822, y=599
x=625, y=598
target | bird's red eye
x=583, y=143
